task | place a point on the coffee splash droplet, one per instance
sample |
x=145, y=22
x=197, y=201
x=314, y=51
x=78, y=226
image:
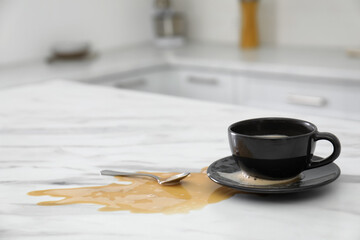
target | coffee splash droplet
x=145, y=195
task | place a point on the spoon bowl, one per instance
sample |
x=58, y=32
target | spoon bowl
x=172, y=180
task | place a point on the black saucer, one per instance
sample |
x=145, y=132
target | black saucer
x=308, y=179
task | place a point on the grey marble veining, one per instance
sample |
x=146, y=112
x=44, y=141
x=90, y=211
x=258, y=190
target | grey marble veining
x=60, y=134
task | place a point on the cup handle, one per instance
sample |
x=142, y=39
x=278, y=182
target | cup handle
x=336, y=152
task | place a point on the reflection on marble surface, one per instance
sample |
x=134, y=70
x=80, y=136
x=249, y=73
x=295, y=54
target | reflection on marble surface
x=59, y=135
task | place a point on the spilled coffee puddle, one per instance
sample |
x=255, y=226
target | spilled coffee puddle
x=144, y=195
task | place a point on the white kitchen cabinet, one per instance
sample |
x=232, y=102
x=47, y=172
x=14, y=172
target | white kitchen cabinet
x=307, y=95
x=204, y=85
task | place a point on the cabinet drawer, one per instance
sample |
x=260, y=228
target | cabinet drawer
x=206, y=86
x=327, y=99
x=139, y=83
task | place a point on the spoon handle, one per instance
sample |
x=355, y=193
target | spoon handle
x=116, y=173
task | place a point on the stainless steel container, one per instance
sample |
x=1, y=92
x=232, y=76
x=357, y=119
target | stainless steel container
x=169, y=25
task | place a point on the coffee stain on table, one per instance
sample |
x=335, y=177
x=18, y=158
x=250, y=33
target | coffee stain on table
x=142, y=195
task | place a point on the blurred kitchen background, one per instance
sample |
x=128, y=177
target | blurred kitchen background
x=288, y=55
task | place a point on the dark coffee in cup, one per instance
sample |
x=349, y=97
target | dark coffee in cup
x=278, y=148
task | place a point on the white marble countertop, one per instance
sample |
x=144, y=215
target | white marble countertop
x=59, y=134
x=328, y=64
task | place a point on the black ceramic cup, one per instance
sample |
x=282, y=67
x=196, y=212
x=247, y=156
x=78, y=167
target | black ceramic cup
x=278, y=148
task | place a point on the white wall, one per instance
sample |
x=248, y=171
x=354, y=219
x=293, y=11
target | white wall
x=326, y=23
x=28, y=28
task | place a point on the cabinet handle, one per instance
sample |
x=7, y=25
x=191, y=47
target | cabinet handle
x=131, y=84
x=205, y=81
x=305, y=100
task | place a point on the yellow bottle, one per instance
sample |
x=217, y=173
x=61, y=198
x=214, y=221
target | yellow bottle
x=249, y=31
